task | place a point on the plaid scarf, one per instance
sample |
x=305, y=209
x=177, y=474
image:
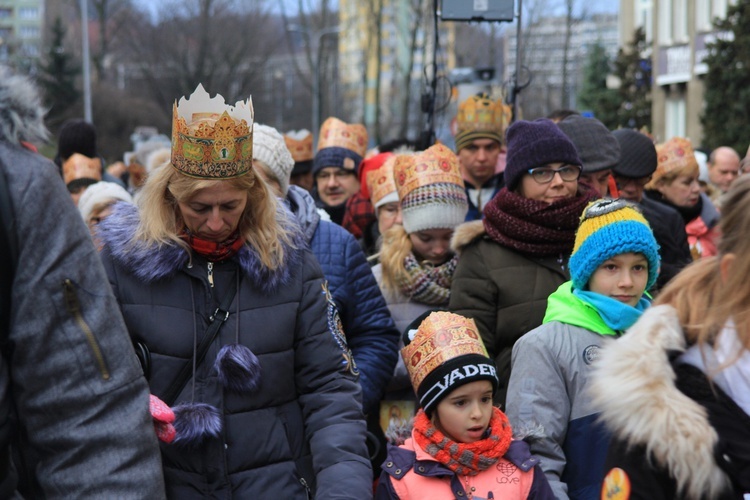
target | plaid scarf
x=465, y=459
x=428, y=284
x=535, y=227
x=211, y=250
x=359, y=214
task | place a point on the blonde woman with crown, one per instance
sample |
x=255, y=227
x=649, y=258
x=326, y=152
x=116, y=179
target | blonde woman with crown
x=233, y=323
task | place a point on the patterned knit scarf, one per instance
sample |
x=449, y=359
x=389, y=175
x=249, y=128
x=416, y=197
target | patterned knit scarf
x=428, y=284
x=534, y=227
x=211, y=250
x=465, y=459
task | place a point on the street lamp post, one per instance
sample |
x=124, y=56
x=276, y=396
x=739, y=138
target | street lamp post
x=314, y=39
x=87, y=115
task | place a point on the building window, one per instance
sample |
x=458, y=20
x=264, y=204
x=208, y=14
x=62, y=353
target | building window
x=719, y=9
x=674, y=117
x=29, y=32
x=28, y=13
x=680, y=33
x=665, y=22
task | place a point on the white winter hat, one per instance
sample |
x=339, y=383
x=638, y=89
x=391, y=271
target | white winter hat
x=101, y=192
x=269, y=147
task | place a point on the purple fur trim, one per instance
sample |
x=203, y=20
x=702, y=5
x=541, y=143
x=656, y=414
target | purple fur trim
x=150, y=262
x=238, y=368
x=196, y=422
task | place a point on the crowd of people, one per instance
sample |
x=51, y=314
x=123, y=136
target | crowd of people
x=239, y=312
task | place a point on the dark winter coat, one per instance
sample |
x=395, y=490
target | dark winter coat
x=496, y=183
x=303, y=424
x=698, y=438
x=669, y=231
x=370, y=331
x=504, y=291
x=68, y=371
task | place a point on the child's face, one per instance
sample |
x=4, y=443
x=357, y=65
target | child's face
x=623, y=278
x=465, y=413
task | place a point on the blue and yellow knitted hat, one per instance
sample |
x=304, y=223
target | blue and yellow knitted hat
x=609, y=228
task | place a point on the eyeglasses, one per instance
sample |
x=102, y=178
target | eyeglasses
x=639, y=181
x=544, y=175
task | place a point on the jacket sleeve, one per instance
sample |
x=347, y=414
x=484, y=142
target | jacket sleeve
x=538, y=396
x=370, y=330
x=628, y=468
x=81, y=400
x=329, y=396
x=475, y=296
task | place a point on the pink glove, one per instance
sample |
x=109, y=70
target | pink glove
x=163, y=417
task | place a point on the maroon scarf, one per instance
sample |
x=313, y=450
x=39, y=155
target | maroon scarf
x=211, y=250
x=465, y=459
x=534, y=227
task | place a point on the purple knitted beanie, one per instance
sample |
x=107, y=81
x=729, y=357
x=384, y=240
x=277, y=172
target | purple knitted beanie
x=536, y=144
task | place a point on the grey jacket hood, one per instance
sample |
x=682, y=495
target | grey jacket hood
x=21, y=111
x=302, y=205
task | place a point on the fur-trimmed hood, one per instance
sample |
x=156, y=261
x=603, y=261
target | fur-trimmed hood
x=21, y=112
x=150, y=262
x=634, y=386
x=466, y=233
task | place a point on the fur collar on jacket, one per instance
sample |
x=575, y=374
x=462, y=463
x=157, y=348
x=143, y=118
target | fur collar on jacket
x=465, y=234
x=633, y=384
x=149, y=262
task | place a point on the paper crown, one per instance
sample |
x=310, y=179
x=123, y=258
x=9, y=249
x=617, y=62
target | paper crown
x=441, y=337
x=438, y=164
x=478, y=117
x=211, y=140
x=79, y=166
x=380, y=182
x=674, y=155
x=337, y=134
x=300, y=144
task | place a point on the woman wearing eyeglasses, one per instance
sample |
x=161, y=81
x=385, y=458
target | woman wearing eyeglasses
x=513, y=259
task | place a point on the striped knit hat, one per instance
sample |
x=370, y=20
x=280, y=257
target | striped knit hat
x=430, y=189
x=609, y=228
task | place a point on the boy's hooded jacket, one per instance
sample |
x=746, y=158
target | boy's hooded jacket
x=561, y=353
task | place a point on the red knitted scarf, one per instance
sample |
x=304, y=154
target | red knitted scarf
x=466, y=459
x=211, y=250
x=534, y=227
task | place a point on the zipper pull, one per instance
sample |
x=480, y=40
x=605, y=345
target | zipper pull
x=211, y=274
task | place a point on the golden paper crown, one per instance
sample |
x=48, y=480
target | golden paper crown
x=441, y=337
x=380, y=181
x=79, y=166
x=211, y=140
x=674, y=155
x=434, y=165
x=337, y=134
x=300, y=144
x=479, y=113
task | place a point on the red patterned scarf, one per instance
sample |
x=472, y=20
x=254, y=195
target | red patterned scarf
x=465, y=459
x=534, y=227
x=211, y=250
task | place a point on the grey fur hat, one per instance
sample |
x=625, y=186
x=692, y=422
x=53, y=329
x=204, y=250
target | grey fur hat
x=21, y=111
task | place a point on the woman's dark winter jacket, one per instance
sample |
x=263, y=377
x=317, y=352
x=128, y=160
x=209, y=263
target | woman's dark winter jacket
x=676, y=434
x=504, y=291
x=303, y=424
x=370, y=331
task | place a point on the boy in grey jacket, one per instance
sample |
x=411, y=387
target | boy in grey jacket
x=615, y=260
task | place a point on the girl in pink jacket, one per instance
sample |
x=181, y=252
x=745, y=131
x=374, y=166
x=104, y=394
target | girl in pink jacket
x=461, y=446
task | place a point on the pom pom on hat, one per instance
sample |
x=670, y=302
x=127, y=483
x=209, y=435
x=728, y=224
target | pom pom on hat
x=535, y=144
x=101, y=192
x=270, y=148
x=609, y=228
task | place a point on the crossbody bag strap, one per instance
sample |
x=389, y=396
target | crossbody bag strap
x=220, y=315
